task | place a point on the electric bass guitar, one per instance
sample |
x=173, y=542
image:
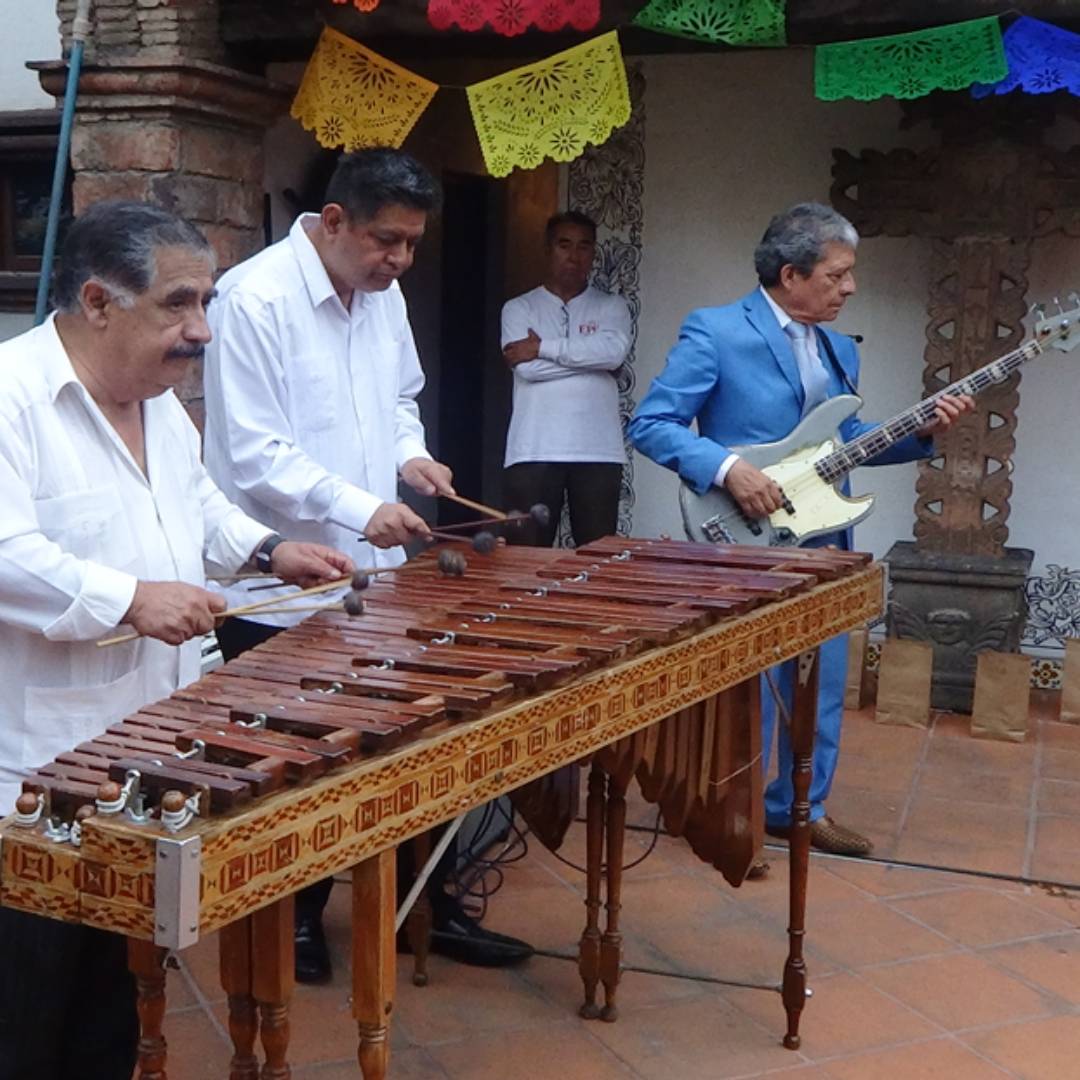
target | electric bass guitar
x=810, y=464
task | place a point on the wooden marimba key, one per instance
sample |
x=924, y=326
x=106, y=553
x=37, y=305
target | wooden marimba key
x=332, y=742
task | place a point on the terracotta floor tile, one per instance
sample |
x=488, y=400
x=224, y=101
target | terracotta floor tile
x=881, y=879
x=1057, y=831
x=978, y=757
x=1049, y=863
x=1038, y=1050
x=548, y=916
x=862, y=735
x=201, y=964
x=703, y=1039
x=559, y=982
x=1061, y=736
x=949, y=725
x=940, y=1059
x=1059, y=764
x=1050, y=962
x=565, y=1050
x=411, y=1064
x=889, y=773
x=980, y=916
x=1059, y=797
x=972, y=836
x=846, y=1015
x=960, y=991
x=1002, y=788
x=196, y=1048
x=865, y=932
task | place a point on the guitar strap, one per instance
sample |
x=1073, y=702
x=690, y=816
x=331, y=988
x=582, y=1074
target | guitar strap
x=823, y=339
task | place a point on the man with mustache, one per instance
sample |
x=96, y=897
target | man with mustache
x=311, y=419
x=109, y=519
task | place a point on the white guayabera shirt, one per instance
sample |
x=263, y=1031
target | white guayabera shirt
x=80, y=525
x=566, y=401
x=310, y=408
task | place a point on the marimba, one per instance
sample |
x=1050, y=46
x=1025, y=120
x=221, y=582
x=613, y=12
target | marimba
x=328, y=746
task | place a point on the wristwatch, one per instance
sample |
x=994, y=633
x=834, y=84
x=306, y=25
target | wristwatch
x=263, y=553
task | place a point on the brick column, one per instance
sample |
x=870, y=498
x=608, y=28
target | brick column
x=184, y=134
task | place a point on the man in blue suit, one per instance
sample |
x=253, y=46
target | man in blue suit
x=747, y=373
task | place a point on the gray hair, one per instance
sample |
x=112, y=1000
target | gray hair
x=798, y=237
x=116, y=244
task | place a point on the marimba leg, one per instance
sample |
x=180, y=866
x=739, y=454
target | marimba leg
x=589, y=946
x=272, y=973
x=611, y=943
x=235, y=962
x=147, y=963
x=803, y=722
x=418, y=921
x=373, y=909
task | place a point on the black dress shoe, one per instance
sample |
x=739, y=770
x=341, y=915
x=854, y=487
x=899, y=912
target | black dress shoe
x=311, y=957
x=458, y=937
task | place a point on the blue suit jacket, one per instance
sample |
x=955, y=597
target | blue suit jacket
x=734, y=372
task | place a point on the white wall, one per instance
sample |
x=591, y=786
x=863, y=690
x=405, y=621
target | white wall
x=32, y=33
x=733, y=137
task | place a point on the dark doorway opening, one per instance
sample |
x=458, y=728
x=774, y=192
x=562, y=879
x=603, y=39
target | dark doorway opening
x=474, y=387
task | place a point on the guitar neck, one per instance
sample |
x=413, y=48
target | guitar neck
x=838, y=464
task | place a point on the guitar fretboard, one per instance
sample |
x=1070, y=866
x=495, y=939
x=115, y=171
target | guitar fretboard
x=840, y=462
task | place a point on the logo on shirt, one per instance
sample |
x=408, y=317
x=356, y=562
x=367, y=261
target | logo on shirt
x=588, y=327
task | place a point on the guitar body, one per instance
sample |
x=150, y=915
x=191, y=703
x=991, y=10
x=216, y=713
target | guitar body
x=819, y=508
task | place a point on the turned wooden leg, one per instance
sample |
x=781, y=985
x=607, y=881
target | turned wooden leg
x=611, y=943
x=147, y=963
x=235, y=962
x=374, y=907
x=418, y=921
x=272, y=967
x=803, y=723
x=589, y=946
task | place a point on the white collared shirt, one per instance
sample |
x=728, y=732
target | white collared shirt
x=81, y=525
x=310, y=408
x=566, y=402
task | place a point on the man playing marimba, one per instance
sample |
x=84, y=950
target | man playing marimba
x=311, y=386
x=109, y=518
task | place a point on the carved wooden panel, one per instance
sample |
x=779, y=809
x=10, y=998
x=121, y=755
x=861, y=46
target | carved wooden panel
x=976, y=305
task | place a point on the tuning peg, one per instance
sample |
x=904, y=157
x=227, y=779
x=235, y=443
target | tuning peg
x=1061, y=310
x=1074, y=298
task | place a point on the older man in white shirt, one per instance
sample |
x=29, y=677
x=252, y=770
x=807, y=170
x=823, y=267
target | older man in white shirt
x=565, y=341
x=311, y=419
x=109, y=519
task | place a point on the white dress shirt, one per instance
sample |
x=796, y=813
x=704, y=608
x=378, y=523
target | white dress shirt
x=81, y=525
x=310, y=408
x=566, y=401
x=811, y=345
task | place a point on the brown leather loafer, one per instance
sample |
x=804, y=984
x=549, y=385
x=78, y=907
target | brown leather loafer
x=828, y=835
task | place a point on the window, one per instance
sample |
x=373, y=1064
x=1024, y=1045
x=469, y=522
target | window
x=28, y=142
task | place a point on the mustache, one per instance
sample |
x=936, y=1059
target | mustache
x=186, y=352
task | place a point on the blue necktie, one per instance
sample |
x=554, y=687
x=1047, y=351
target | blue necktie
x=815, y=380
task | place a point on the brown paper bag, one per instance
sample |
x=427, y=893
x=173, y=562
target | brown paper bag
x=1070, y=683
x=903, y=695
x=855, y=688
x=1002, y=693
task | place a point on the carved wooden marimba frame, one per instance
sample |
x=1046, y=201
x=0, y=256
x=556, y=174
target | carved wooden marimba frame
x=328, y=746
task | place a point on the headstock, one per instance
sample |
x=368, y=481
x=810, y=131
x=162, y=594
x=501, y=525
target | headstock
x=1060, y=330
